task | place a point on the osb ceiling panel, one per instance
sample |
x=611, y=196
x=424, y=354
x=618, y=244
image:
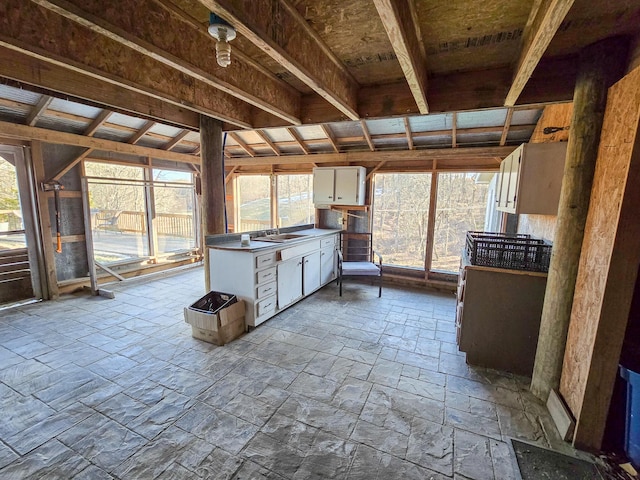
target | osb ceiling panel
x=590, y=21
x=354, y=32
x=463, y=35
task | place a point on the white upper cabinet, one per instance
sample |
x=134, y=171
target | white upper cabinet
x=531, y=178
x=339, y=185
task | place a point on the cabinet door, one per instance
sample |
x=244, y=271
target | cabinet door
x=323, y=183
x=289, y=282
x=346, y=186
x=327, y=264
x=514, y=174
x=310, y=273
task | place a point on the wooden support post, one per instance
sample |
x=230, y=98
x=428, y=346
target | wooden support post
x=212, y=184
x=431, y=222
x=600, y=65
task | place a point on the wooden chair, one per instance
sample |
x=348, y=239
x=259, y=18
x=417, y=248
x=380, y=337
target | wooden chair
x=356, y=258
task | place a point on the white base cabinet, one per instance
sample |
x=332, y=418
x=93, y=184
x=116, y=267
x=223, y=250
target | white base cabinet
x=272, y=278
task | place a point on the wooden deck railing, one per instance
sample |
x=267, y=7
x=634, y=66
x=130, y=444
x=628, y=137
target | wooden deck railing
x=169, y=224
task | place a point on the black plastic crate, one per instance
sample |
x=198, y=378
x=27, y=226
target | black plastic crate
x=512, y=251
x=213, y=302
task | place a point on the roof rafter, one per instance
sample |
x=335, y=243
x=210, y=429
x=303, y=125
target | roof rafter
x=407, y=131
x=544, y=21
x=308, y=58
x=38, y=110
x=400, y=21
x=47, y=39
x=135, y=138
x=243, y=145
x=269, y=142
x=123, y=24
x=176, y=140
x=97, y=122
x=331, y=137
x=298, y=140
x=367, y=135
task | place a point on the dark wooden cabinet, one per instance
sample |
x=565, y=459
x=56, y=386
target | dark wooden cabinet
x=498, y=317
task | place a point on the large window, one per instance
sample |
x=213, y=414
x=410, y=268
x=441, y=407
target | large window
x=400, y=216
x=11, y=226
x=123, y=199
x=294, y=205
x=254, y=202
x=295, y=200
x=461, y=206
x=401, y=206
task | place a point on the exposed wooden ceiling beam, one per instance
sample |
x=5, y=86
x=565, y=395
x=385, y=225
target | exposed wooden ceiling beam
x=552, y=82
x=544, y=21
x=135, y=138
x=331, y=137
x=28, y=70
x=264, y=136
x=97, y=122
x=399, y=20
x=38, y=110
x=367, y=135
x=176, y=140
x=308, y=58
x=47, y=39
x=24, y=132
x=242, y=144
x=298, y=140
x=186, y=52
x=407, y=131
x=507, y=125
x=493, y=154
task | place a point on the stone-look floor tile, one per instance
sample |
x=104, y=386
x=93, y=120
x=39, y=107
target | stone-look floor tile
x=519, y=424
x=417, y=360
x=431, y=445
x=472, y=456
x=181, y=380
x=264, y=372
x=320, y=364
x=472, y=405
x=147, y=392
x=352, y=395
x=22, y=372
x=250, y=409
x=473, y=423
x=314, y=387
x=6, y=455
x=320, y=415
x=112, y=366
x=380, y=438
x=343, y=368
x=423, y=389
x=408, y=403
x=158, y=417
x=51, y=460
x=25, y=412
x=503, y=461
x=383, y=416
x=121, y=408
x=219, y=464
x=176, y=472
x=217, y=427
x=329, y=457
x=93, y=473
x=253, y=471
x=385, y=372
x=290, y=431
x=484, y=391
x=268, y=452
x=43, y=431
x=369, y=463
x=358, y=356
x=102, y=441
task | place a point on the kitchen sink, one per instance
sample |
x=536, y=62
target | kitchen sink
x=281, y=237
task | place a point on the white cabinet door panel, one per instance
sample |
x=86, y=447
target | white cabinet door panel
x=311, y=273
x=289, y=282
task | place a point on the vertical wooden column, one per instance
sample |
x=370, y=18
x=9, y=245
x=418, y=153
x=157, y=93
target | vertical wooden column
x=600, y=65
x=608, y=268
x=212, y=175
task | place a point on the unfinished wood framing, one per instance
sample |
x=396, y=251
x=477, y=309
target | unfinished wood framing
x=507, y=125
x=264, y=136
x=408, y=134
x=242, y=144
x=399, y=20
x=454, y=133
x=608, y=267
x=331, y=137
x=367, y=135
x=308, y=58
x=296, y=138
x=545, y=19
x=176, y=140
x=135, y=138
x=38, y=110
x=97, y=122
x=147, y=35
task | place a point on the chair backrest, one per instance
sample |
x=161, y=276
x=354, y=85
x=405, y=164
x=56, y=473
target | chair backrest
x=356, y=247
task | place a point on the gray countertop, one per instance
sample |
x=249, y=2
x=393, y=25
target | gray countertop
x=221, y=242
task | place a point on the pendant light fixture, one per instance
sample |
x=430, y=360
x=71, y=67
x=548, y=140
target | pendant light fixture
x=223, y=33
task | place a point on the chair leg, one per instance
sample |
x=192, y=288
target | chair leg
x=340, y=279
x=380, y=286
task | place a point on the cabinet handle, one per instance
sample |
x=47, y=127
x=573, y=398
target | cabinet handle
x=339, y=198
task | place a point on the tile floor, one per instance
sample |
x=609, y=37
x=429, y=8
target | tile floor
x=354, y=387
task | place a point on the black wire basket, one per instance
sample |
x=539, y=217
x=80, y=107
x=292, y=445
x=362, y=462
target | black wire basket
x=512, y=251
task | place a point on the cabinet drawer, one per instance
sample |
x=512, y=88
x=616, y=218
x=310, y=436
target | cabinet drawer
x=265, y=260
x=265, y=306
x=266, y=290
x=266, y=275
x=328, y=242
